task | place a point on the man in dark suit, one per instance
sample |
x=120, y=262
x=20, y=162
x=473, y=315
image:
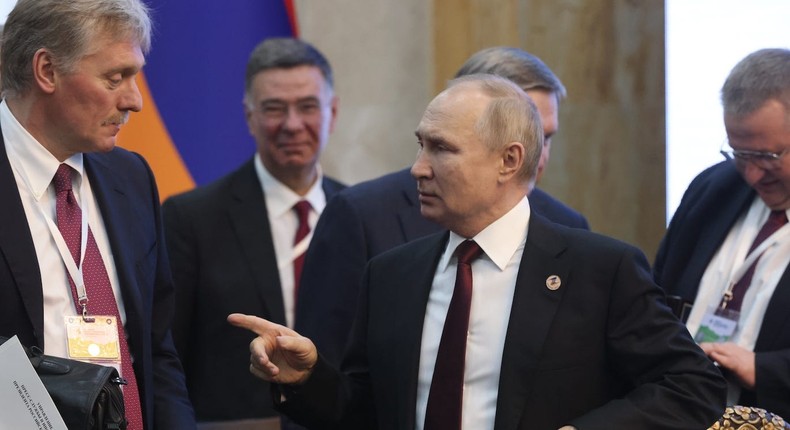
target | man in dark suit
x=560, y=327
x=232, y=243
x=705, y=255
x=68, y=79
x=374, y=216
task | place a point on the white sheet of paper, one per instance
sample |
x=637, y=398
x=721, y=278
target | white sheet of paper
x=24, y=402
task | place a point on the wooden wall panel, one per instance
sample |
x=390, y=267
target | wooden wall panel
x=462, y=27
x=608, y=159
x=392, y=56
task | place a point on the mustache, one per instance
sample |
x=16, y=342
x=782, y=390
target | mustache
x=119, y=119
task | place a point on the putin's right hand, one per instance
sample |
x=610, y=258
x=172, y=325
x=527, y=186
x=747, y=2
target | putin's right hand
x=278, y=354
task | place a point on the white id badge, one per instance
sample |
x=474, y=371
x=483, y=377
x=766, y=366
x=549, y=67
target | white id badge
x=718, y=325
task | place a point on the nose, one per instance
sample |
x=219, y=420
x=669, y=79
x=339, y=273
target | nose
x=293, y=119
x=752, y=173
x=421, y=169
x=131, y=99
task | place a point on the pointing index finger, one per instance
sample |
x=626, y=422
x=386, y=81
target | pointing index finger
x=257, y=325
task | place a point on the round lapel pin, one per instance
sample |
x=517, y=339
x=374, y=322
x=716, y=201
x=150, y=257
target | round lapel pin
x=553, y=282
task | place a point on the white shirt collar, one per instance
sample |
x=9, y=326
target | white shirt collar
x=34, y=163
x=500, y=240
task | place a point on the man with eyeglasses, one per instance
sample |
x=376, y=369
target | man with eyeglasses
x=727, y=249
x=236, y=245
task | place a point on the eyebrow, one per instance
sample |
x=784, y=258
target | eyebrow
x=432, y=138
x=300, y=100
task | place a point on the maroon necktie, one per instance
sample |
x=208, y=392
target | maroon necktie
x=97, y=284
x=775, y=221
x=446, y=396
x=302, y=209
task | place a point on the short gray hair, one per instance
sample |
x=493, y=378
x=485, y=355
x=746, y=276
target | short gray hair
x=761, y=76
x=285, y=53
x=511, y=116
x=521, y=67
x=65, y=28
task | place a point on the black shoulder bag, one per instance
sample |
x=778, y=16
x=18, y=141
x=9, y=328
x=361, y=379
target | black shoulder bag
x=88, y=396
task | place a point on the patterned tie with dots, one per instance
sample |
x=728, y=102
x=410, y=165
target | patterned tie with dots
x=97, y=284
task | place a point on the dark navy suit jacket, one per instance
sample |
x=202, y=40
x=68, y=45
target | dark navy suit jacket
x=602, y=351
x=711, y=205
x=126, y=193
x=223, y=260
x=359, y=223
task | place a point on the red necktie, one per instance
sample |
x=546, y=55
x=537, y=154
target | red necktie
x=97, y=284
x=775, y=221
x=302, y=209
x=445, y=398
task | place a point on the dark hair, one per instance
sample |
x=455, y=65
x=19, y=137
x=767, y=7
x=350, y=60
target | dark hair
x=285, y=53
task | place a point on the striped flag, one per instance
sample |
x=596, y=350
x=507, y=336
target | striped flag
x=192, y=129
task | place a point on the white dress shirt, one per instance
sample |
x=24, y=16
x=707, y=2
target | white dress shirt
x=283, y=221
x=493, y=284
x=726, y=267
x=34, y=167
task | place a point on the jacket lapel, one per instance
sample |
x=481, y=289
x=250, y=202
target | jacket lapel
x=715, y=232
x=250, y=223
x=116, y=210
x=531, y=316
x=415, y=286
x=16, y=247
x=776, y=315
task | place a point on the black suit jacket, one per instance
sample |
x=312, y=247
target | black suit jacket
x=223, y=260
x=601, y=352
x=125, y=191
x=711, y=205
x=359, y=223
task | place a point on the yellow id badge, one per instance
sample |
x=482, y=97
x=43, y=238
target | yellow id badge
x=97, y=340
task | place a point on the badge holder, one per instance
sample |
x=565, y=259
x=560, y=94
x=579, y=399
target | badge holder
x=719, y=324
x=94, y=339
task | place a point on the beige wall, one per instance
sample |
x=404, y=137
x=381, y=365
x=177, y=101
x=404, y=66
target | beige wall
x=607, y=161
x=381, y=57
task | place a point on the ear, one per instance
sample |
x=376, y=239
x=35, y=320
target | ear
x=512, y=161
x=333, y=118
x=44, y=74
x=248, y=112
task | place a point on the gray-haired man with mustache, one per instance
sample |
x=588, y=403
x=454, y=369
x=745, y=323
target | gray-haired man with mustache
x=75, y=208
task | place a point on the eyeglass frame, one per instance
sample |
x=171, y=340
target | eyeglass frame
x=763, y=159
x=278, y=110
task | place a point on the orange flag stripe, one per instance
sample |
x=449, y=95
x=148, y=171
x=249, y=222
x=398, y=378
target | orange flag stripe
x=146, y=134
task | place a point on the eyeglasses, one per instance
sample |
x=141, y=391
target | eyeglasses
x=762, y=159
x=278, y=111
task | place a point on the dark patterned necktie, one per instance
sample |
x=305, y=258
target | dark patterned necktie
x=302, y=209
x=774, y=222
x=97, y=284
x=446, y=395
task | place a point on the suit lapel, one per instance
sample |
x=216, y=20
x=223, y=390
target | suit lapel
x=16, y=247
x=116, y=210
x=531, y=316
x=776, y=315
x=714, y=232
x=250, y=222
x=410, y=293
